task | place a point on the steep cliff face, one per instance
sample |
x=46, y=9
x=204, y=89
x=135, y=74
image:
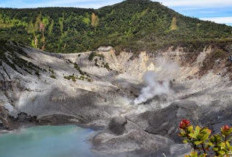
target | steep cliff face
x=91, y=88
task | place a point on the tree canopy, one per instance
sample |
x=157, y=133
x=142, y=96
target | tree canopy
x=133, y=24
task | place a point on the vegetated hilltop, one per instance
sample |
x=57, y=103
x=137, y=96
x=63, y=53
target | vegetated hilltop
x=133, y=25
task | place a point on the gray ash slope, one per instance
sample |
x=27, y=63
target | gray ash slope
x=97, y=89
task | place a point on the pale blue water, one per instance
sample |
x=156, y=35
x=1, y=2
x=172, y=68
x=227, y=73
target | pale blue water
x=46, y=141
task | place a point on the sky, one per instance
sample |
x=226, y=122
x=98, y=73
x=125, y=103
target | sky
x=219, y=11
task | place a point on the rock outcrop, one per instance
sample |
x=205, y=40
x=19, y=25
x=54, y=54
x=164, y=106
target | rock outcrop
x=165, y=121
x=4, y=118
x=117, y=125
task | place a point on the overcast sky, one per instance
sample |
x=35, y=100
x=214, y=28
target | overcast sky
x=219, y=11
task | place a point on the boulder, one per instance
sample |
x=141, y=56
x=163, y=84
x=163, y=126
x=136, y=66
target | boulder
x=117, y=125
x=22, y=117
x=165, y=121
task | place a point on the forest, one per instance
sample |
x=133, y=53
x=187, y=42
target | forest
x=133, y=25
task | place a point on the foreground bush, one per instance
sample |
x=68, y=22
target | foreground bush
x=204, y=143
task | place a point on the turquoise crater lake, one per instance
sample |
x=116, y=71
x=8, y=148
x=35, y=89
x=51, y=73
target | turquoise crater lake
x=47, y=141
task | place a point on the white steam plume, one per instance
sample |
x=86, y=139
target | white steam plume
x=157, y=82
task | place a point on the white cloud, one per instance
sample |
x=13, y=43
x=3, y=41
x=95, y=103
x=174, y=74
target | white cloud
x=197, y=3
x=95, y=5
x=222, y=20
x=101, y=3
x=72, y=3
x=66, y=2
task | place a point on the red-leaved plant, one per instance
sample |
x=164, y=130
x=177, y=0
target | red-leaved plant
x=204, y=143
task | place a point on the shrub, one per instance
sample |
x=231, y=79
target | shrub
x=106, y=65
x=204, y=143
x=37, y=73
x=94, y=54
x=79, y=69
x=219, y=54
x=53, y=76
x=74, y=78
x=52, y=73
x=70, y=77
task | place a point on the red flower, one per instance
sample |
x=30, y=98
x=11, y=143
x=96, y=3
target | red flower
x=184, y=124
x=225, y=128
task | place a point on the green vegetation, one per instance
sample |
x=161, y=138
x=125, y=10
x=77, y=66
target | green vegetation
x=218, y=53
x=99, y=61
x=83, y=75
x=131, y=25
x=106, y=65
x=53, y=75
x=79, y=69
x=94, y=54
x=71, y=77
x=74, y=78
x=83, y=78
x=14, y=55
x=37, y=73
x=204, y=143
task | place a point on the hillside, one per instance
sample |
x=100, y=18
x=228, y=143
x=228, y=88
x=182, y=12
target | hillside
x=133, y=25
